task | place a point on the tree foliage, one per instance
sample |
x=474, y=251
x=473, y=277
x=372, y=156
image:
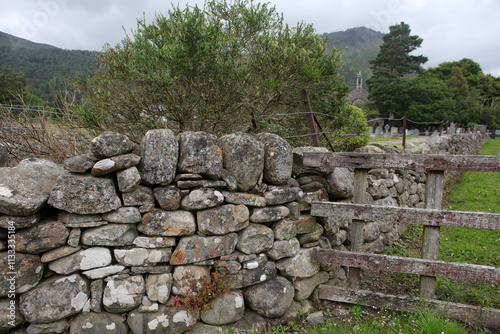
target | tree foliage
x=211, y=69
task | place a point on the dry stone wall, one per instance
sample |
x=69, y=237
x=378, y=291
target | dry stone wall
x=104, y=243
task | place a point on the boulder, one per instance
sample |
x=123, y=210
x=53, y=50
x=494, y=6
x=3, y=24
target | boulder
x=54, y=299
x=244, y=199
x=84, y=194
x=25, y=189
x=188, y=280
x=226, y=309
x=159, y=156
x=10, y=316
x=340, y=183
x=109, y=144
x=158, y=287
x=304, y=287
x=123, y=294
x=248, y=277
x=123, y=215
x=271, y=298
x=300, y=266
x=19, y=222
x=283, y=195
x=223, y=219
x=203, y=198
x=255, y=238
x=277, y=158
x=89, y=258
x=199, y=153
x=79, y=164
x=128, y=179
x=243, y=158
x=169, y=198
x=284, y=248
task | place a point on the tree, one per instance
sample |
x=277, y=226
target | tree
x=12, y=85
x=211, y=69
x=458, y=83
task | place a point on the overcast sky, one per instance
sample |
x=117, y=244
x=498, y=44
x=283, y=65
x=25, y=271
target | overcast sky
x=451, y=29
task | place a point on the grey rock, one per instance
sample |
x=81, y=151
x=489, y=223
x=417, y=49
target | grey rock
x=97, y=323
x=25, y=189
x=284, y=229
x=284, y=248
x=244, y=199
x=90, y=258
x=316, y=318
x=226, y=309
x=60, y=326
x=278, y=158
x=371, y=231
x=109, y=144
x=74, y=237
x=300, y=266
x=305, y=224
x=110, y=235
x=283, y=195
x=271, y=298
x=159, y=153
x=69, y=218
x=269, y=214
x=243, y=158
x=54, y=299
x=29, y=273
x=305, y=286
x=96, y=291
x=255, y=238
x=41, y=237
x=188, y=280
x=294, y=209
x=159, y=222
x=231, y=183
x=195, y=249
x=58, y=253
x=10, y=316
x=223, y=219
x=157, y=269
x=124, y=215
x=199, y=153
x=154, y=242
x=248, y=277
x=298, y=309
x=141, y=196
x=200, y=199
x=79, y=164
x=4, y=157
x=167, y=320
x=298, y=167
x=142, y=256
x=19, y=222
x=341, y=183
x=158, y=287
x=103, y=272
x=84, y=194
x=193, y=184
x=123, y=294
x=116, y=163
x=128, y=179
x=318, y=196
x=314, y=235
x=169, y=198
x=250, y=323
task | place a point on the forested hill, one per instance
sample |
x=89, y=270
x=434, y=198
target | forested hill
x=43, y=64
x=358, y=46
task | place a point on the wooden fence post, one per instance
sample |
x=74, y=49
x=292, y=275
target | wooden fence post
x=430, y=242
x=404, y=132
x=310, y=117
x=360, y=185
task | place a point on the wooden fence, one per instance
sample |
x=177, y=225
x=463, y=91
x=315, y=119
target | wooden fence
x=432, y=217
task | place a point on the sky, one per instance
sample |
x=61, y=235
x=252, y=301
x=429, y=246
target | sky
x=451, y=29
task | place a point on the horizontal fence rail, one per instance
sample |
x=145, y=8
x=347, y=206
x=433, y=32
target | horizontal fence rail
x=437, y=162
x=430, y=217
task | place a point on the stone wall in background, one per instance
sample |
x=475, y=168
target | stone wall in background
x=106, y=242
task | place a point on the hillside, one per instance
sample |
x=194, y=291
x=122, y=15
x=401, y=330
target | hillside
x=43, y=65
x=358, y=46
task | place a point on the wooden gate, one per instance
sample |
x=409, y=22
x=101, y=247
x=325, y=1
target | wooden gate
x=432, y=217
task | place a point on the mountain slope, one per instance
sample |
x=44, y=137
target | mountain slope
x=15, y=42
x=358, y=46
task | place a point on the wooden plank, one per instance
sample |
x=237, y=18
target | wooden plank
x=403, y=161
x=310, y=118
x=488, y=317
x=434, y=268
x=367, y=212
x=430, y=239
x=357, y=226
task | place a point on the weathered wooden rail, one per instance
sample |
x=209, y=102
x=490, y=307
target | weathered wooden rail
x=432, y=217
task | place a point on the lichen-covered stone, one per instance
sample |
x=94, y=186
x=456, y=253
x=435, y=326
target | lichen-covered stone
x=41, y=237
x=283, y=195
x=302, y=265
x=25, y=189
x=243, y=158
x=103, y=272
x=90, y=258
x=154, y=242
x=255, y=238
x=314, y=235
x=278, y=158
x=305, y=224
x=248, y=277
x=159, y=222
x=284, y=248
x=142, y=256
x=189, y=279
x=124, y=215
x=298, y=167
x=203, y=198
x=305, y=286
x=84, y=194
x=123, y=294
x=195, y=248
x=284, y=229
x=128, y=179
x=167, y=320
x=109, y=144
x=54, y=299
x=79, y=164
x=224, y=310
x=199, y=153
x=340, y=183
x=140, y=196
x=28, y=272
x=110, y=235
x=169, y=198
x=116, y=163
x=271, y=298
x=223, y=219
x=269, y=214
x=158, y=287
x=58, y=253
x=19, y=222
x=98, y=323
x=10, y=316
x=244, y=199
x=159, y=156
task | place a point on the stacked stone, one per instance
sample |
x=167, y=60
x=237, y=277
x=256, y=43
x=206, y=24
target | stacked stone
x=125, y=231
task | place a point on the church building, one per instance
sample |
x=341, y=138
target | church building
x=358, y=95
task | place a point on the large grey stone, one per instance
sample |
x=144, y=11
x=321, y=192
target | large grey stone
x=102, y=272
x=41, y=237
x=244, y=199
x=10, y=316
x=124, y=215
x=278, y=158
x=225, y=309
x=79, y=164
x=19, y=222
x=159, y=222
x=285, y=229
x=128, y=179
x=110, y=235
x=154, y=242
x=142, y=256
x=159, y=153
x=167, y=320
x=189, y=280
x=284, y=248
x=54, y=299
x=248, y=277
x=271, y=298
x=169, y=198
x=123, y=294
x=59, y=326
x=243, y=158
x=90, y=258
x=25, y=189
x=255, y=238
x=283, y=195
x=109, y=144
x=195, y=248
x=223, y=219
x=203, y=198
x=301, y=266
x=158, y=287
x=84, y=194
x=28, y=272
x=116, y=163
x=199, y=153
x=98, y=323
x=269, y=214
x=340, y=183
x=60, y=252
x=305, y=286
x=250, y=323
